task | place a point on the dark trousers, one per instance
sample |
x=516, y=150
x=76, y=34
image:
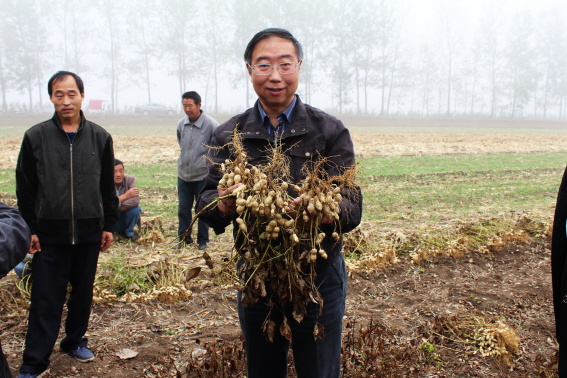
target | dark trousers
x=4, y=367
x=128, y=219
x=53, y=268
x=313, y=359
x=188, y=193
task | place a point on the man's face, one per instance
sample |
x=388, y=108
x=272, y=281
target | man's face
x=67, y=98
x=275, y=90
x=118, y=174
x=191, y=109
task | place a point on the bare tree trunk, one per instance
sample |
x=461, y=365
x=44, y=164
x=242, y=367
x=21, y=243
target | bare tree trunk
x=112, y=77
x=472, y=93
x=412, y=94
x=38, y=72
x=515, y=92
x=65, y=37
x=393, y=70
x=546, y=91
x=449, y=85
x=439, y=109
x=357, y=89
x=30, y=94
x=207, y=87
x=341, y=80
x=366, y=69
x=2, y=82
x=39, y=86
x=29, y=69
x=216, y=82
x=383, y=79
x=493, y=101
x=146, y=59
x=247, y=93
x=76, y=43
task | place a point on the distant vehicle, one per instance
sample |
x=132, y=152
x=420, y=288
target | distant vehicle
x=99, y=106
x=154, y=109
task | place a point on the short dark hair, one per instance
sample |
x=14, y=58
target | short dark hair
x=272, y=32
x=60, y=75
x=191, y=95
x=118, y=162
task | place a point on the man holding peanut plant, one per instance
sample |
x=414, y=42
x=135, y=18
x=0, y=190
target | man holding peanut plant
x=273, y=60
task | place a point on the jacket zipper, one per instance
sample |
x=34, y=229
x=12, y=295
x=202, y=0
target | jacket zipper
x=71, y=168
x=72, y=184
x=72, y=199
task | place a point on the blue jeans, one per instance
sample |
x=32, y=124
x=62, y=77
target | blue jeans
x=188, y=193
x=313, y=359
x=128, y=219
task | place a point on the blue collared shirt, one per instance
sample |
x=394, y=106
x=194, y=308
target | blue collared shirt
x=284, y=119
x=118, y=189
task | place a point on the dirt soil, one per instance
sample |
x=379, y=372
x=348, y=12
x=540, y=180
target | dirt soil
x=514, y=285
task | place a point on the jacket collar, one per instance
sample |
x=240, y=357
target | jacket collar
x=254, y=129
x=57, y=122
x=198, y=123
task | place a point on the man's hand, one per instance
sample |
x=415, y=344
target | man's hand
x=293, y=214
x=133, y=192
x=105, y=241
x=227, y=206
x=34, y=245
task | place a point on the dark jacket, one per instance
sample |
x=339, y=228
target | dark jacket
x=15, y=238
x=559, y=273
x=312, y=132
x=66, y=192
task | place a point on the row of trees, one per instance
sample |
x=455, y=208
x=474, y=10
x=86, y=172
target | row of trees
x=362, y=56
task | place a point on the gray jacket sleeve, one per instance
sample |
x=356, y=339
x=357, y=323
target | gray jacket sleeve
x=15, y=238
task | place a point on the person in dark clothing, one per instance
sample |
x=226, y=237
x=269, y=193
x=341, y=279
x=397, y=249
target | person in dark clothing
x=15, y=240
x=559, y=273
x=66, y=194
x=273, y=58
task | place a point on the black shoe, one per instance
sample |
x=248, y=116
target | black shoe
x=180, y=244
x=118, y=236
x=134, y=238
x=203, y=246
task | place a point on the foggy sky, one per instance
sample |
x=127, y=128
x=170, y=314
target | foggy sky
x=420, y=22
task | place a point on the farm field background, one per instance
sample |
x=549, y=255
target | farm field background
x=426, y=185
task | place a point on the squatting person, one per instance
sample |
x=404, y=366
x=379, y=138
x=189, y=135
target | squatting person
x=194, y=134
x=129, y=198
x=66, y=194
x=273, y=59
x=559, y=273
x=15, y=240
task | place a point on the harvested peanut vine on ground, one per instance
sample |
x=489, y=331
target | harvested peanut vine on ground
x=279, y=242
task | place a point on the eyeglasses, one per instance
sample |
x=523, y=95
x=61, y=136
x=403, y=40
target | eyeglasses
x=266, y=69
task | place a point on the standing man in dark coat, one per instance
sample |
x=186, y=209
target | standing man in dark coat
x=273, y=59
x=66, y=194
x=559, y=273
x=14, y=244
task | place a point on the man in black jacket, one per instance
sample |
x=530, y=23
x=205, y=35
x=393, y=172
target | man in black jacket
x=559, y=273
x=66, y=194
x=14, y=244
x=273, y=59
